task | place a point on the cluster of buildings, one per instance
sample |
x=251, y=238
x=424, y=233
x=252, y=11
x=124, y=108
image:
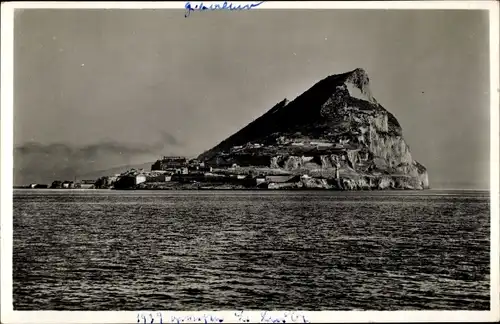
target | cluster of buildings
x=181, y=170
x=341, y=142
x=176, y=169
x=247, y=146
x=66, y=184
x=83, y=184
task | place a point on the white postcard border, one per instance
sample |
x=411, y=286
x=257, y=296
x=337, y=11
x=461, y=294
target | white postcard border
x=10, y=316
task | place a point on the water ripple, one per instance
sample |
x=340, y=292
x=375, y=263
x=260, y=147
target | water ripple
x=105, y=250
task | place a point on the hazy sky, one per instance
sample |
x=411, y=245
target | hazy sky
x=130, y=77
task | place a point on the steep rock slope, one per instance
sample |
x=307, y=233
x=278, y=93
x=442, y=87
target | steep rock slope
x=335, y=131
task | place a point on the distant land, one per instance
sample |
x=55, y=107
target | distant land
x=333, y=136
x=115, y=170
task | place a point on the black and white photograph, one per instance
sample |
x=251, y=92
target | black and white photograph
x=225, y=156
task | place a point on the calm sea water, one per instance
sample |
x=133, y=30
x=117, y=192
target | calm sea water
x=219, y=250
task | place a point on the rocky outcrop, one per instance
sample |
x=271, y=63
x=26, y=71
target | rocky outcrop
x=336, y=131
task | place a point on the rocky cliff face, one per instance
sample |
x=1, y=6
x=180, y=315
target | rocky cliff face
x=335, y=131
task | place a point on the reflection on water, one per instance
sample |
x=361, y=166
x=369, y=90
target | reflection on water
x=192, y=250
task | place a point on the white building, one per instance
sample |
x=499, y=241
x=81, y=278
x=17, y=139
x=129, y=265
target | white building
x=140, y=178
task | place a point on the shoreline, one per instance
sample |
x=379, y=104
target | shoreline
x=253, y=189
x=242, y=189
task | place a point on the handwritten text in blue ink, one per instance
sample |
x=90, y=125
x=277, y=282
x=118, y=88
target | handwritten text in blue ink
x=224, y=6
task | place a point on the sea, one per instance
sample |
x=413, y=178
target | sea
x=112, y=250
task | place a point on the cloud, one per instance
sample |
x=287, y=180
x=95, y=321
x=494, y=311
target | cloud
x=43, y=163
x=168, y=138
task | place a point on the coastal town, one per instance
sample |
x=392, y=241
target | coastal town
x=176, y=172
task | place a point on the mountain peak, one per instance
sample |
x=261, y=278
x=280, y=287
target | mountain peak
x=336, y=130
x=358, y=85
x=359, y=72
